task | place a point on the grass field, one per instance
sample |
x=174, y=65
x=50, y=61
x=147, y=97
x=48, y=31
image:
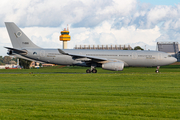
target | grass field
x=58, y=93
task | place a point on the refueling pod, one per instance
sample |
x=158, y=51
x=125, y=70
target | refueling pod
x=115, y=66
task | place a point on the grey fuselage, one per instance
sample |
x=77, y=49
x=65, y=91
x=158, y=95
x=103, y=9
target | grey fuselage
x=24, y=48
x=128, y=57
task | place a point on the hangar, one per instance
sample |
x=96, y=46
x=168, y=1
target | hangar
x=172, y=48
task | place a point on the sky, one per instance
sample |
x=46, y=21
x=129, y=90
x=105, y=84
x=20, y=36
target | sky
x=92, y=22
x=161, y=2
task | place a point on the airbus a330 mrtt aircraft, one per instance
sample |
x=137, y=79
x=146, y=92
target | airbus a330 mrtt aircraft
x=115, y=60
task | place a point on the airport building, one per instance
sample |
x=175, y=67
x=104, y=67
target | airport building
x=65, y=37
x=104, y=47
x=172, y=48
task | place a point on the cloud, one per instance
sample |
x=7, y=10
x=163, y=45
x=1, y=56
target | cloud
x=4, y=41
x=79, y=13
x=104, y=34
x=4, y=37
x=91, y=22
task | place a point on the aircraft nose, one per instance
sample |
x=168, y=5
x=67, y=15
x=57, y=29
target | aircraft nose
x=173, y=59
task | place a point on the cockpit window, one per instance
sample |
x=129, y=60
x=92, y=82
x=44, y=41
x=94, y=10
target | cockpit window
x=169, y=56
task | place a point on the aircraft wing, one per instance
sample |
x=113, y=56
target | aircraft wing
x=97, y=59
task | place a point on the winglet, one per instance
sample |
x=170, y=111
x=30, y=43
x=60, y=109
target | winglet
x=62, y=52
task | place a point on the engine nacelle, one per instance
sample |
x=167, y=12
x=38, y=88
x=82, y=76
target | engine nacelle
x=115, y=66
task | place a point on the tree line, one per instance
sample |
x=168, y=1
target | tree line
x=7, y=60
x=135, y=48
x=12, y=60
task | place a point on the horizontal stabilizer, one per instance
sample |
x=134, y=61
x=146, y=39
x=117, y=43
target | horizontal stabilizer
x=16, y=50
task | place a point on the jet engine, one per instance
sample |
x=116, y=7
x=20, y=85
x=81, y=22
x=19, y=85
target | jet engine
x=115, y=66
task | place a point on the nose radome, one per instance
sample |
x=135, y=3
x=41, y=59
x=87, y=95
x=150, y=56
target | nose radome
x=174, y=60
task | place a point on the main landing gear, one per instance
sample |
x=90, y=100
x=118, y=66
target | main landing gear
x=93, y=70
x=89, y=71
x=157, y=70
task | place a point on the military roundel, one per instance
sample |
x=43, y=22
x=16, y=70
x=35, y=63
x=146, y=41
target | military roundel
x=18, y=34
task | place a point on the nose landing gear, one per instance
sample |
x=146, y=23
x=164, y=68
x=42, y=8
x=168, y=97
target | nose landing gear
x=157, y=70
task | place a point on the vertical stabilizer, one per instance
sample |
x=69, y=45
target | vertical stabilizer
x=18, y=38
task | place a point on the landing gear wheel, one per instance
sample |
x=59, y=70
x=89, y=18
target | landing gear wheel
x=94, y=71
x=88, y=71
x=157, y=70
